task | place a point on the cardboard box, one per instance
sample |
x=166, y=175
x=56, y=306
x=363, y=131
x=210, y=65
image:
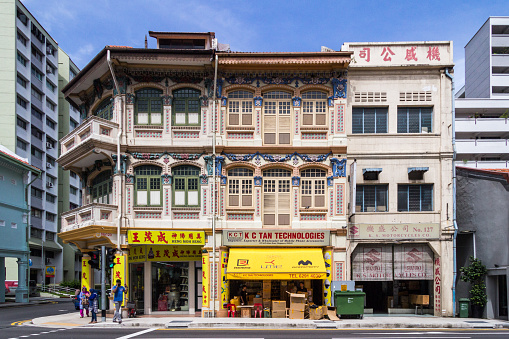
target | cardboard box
x=278, y=305
x=223, y=313
x=246, y=312
x=297, y=298
x=279, y=314
x=298, y=307
x=316, y=313
x=250, y=299
x=267, y=303
x=267, y=284
x=422, y=299
x=257, y=300
x=295, y=314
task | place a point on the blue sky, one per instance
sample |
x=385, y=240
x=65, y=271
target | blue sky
x=83, y=27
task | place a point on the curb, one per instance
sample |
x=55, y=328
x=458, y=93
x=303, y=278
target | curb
x=25, y=304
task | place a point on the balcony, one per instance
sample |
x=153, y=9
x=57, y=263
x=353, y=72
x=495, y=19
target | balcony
x=82, y=147
x=484, y=164
x=500, y=60
x=95, y=214
x=480, y=125
x=480, y=146
x=500, y=40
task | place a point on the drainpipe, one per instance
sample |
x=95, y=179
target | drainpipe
x=119, y=135
x=214, y=194
x=455, y=273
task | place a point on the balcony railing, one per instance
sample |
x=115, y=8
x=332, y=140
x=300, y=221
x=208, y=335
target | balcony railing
x=93, y=127
x=482, y=146
x=88, y=215
x=484, y=164
x=482, y=125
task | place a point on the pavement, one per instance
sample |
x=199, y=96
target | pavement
x=70, y=320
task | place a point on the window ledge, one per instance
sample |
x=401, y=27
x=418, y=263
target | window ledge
x=147, y=208
x=197, y=208
x=321, y=129
x=148, y=127
x=240, y=210
x=188, y=128
x=313, y=210
x=235, y=128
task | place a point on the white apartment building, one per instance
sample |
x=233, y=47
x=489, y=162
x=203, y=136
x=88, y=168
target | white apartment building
x=482, y=105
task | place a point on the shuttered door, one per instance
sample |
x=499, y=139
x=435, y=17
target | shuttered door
x=276, y=198
x=372, y=262
x=413, y=262
x=277, y=118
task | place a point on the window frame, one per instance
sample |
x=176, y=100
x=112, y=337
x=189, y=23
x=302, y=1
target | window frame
x=187, y=100
x=242, y=99
x=21, y=58
x=401, y=191
x=420, y=118
x=363, y=123
x=140, y=97
x=315, y=182
x=103, y=182
x=148, y=181
x=186, y=178
x=363, y=208
x=105, y=109
x=313, y=112
x=241, y=183
x=281, y=101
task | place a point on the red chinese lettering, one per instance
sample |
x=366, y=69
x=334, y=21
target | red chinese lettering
x=394, y=228
x=161, y=237
x=166, y=253
x=370, y=228
x=85, y=275
x=141, y=250
x=117, y=274
x=405, y=228
x=190, y=235
x=134, y=251
x=437, y=280
x=437, y=271
x=410, y=54
x=381, y=228
x=433, y=53
x=386, y=53
x=437, y=261
x=182, y=235
x=181, y=252
x=84, y=263
x=188, y=252
x=198, y=236
x=135, y=237
x=175, y=254
x=437, y=289
x=365, y=53
x=194, y=252
x=148, y=237
x=174, y=235
x=118, y=261
x=158, y=255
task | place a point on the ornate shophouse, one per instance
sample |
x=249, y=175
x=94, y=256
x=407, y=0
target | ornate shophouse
x=203, y=196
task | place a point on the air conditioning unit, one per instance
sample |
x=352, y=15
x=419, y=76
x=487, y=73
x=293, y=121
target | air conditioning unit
x=49, y=145
x=48, y=165
x=49, y=184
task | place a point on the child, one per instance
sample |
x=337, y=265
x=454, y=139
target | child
x=93, y=305
x=83, y=296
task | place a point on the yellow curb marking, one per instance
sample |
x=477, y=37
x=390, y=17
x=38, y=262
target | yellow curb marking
x=61, y=324
x=16, y=323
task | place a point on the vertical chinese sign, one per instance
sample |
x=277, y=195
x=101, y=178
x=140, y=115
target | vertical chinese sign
x=225, y=285
x=438, y=288
x=86, y=273
x=327, y=256
x=205, y=280
x=119, y=272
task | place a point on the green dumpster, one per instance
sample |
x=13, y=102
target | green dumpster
x=464, y=307
x=349, y=303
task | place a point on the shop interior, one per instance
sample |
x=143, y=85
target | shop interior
x=383, y=296
x=170, y=286
x=136, y=286
x=278, y=290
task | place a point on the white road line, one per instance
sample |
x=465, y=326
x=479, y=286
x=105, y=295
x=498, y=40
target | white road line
x=132, y=335
x=44, y=332
x=412, y=337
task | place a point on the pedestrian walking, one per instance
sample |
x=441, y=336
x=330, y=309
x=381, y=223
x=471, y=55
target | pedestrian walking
x=93, y=305
x=84, y=301
x=118, y=297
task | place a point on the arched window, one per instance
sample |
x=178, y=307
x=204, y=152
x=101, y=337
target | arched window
x=314, y=109
x=149, y=107
x=276, y=197
x=148, y=185
x=240, y=187
x=101, y=188
x=186, y=107
x=240, y=109
x=312, y=188
x=105, y=109
x=277, y=118
x=186, y=186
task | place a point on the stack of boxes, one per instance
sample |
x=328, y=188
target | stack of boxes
x=299, y=309
x=278, y=309
x=266, y=294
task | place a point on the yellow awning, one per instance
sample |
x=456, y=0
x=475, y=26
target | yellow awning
x=275, y=263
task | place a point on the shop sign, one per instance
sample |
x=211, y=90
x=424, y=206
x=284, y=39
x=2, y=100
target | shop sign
x=276, y=276
x=372, y=263
x=86, y=273
x=164, y=253
x=50, y=271
x=119, y=272
x=413, y=262
x=205, y=280
x=155, y=237
x=276, y=237
x=394, y=231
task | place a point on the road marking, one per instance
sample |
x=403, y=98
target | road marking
x=412, y=337
x=138, y=333
x=62, y=324
x=17, y=323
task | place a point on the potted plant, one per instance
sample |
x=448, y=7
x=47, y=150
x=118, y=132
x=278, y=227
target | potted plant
x=475, y=274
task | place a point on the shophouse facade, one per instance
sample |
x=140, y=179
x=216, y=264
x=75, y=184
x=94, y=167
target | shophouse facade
x=268, y=209
x=400, y=230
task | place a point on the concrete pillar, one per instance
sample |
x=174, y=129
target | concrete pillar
x=147, y=291
x=22, y=289
x=2, y=279
x=191, y=295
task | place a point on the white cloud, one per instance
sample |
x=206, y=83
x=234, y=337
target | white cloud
x=83, y=55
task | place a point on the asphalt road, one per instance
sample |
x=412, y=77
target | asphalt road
x=10, y=315
x=138, y=333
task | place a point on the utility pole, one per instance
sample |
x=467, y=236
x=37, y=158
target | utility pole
x=103, y=284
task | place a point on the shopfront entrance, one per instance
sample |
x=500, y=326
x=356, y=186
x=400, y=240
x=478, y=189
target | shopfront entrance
x=395, y=277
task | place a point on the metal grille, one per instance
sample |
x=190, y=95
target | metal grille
x=240, y=172
x=371, y=198
x=148, y=93
x=240, y=95
x=415, y=119
x=186, y=93
x=276, y=172
x=369, y=120
x=147, y=170
x=415, y=96
x=313, y=172
x=314, y=95
x=370, y=96
x=277, y=95
x=186, y=170
x=414, y=198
